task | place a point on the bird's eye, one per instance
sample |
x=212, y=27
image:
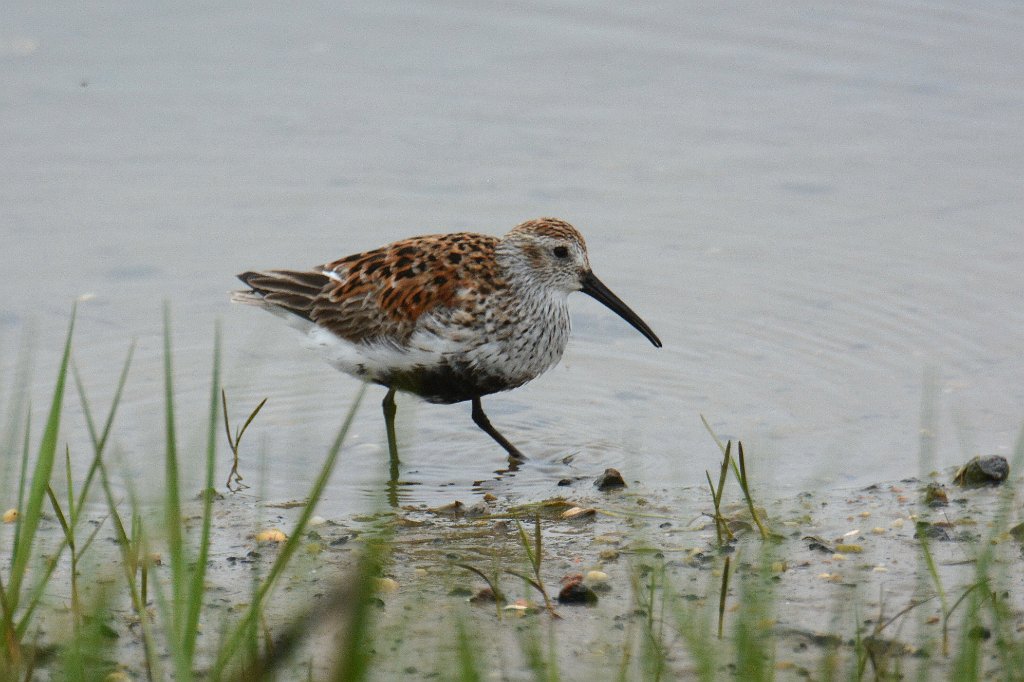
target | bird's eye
x=561, y=251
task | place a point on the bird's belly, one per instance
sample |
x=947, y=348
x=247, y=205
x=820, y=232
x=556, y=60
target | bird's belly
x=459, y=375
x=447, y=383
x=439, y=369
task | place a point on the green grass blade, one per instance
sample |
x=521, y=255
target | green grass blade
x=26, y=448
x=172, y=502
x=70, y=484
x=723, y=595
x=356, y=649
x=197, y=584
x=538, y=550
x=249, y=620
x=16, y=409
x=466, y=653
x=128, y=545
x=524, y=539
x=74, y=507
x=745, y=487
x=28, y=521
x=61, y=518
x=99, y=439
x=696, y=632
x=714, y=436
x=10, y=639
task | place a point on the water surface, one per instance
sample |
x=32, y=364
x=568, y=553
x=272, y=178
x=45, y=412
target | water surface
x=816, y=208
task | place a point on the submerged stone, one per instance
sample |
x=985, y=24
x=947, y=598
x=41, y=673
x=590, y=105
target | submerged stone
x=575, y=592
x=611, y=478
x=935, y=495
x=982, y=471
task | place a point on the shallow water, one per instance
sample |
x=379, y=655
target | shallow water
x=816, y=208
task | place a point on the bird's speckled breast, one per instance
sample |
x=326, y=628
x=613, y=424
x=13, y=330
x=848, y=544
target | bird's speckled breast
x=510, y=345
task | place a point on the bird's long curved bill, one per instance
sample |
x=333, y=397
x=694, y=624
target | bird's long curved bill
x=595, y=288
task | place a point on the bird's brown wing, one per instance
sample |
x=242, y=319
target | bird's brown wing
x=380, y=294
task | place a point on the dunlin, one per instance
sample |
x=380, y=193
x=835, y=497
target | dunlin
x=448, y=317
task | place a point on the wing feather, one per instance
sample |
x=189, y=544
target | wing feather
x=381, y=295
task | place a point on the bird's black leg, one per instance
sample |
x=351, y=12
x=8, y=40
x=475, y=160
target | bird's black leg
x=481, y=420
x=389, y=425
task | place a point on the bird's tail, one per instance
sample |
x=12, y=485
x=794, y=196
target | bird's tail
x=249, y=298
x=281, y=291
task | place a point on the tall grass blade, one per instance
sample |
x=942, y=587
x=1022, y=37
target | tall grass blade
x=129, y=542
x=89, y=653
x=31, y=512
x=70, y=523
x=466, y=653
x=355, y=651
x=198, y=578
x=234, y=482
x=99, y=438
x=23, y=478
x=172, y=502
x=238, y=635
x=745, y=486
x=723, y=594
x=752, y=634
x=16, y=408
x=694, y=625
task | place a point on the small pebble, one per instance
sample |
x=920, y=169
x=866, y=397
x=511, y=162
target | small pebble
x=484, y=596
x=521, y=607
x=579, y=513
x=477, y=509
x=455, y=507
x=611, y=478
x=932, y=531
x=575, y=592
x=387, y=585
x=816, y=544
x=271, y=535
x=10, y=516
x=935, y=495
